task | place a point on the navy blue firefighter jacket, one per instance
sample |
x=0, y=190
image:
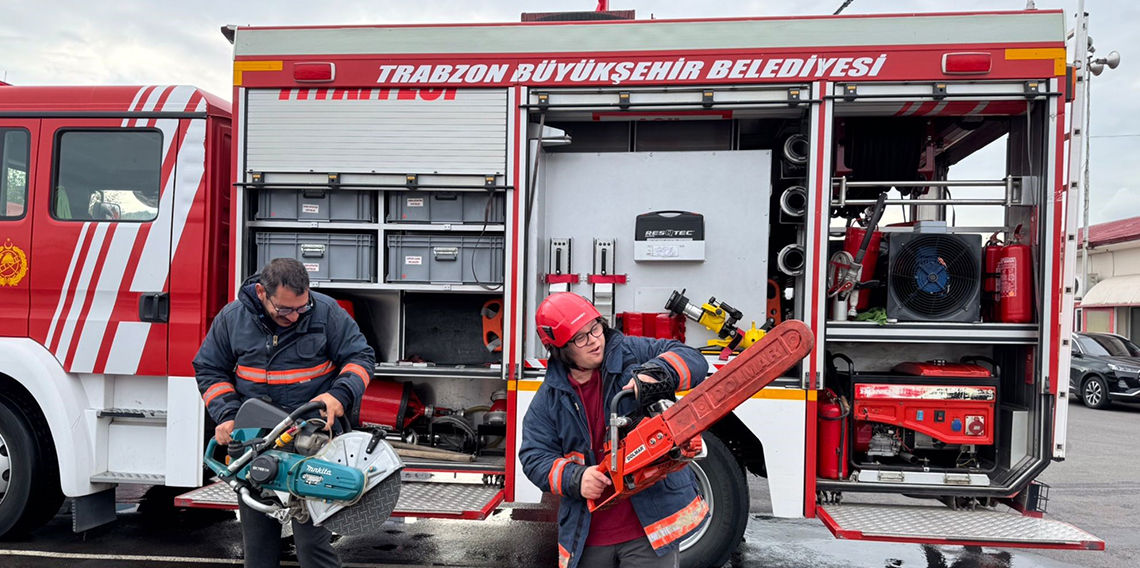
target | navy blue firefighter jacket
x=556, y=445
x=245, y=355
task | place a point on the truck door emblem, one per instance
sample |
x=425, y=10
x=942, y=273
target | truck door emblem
x=13, y=264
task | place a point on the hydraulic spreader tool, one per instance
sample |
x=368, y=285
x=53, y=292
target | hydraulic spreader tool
x=663, y=436
x=721, y=319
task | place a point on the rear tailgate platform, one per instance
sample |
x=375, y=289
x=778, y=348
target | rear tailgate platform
x=417, y=499
x=944, y=526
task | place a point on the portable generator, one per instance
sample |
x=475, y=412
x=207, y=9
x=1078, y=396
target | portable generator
x=934, y=414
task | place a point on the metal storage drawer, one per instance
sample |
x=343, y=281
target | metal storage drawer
x=445, y=207
x=316, y=204
x=327, y=256
x=445, y=259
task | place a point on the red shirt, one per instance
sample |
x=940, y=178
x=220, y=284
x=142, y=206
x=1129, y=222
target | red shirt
x=618, y=524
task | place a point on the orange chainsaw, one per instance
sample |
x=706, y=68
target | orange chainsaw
x=669, y=437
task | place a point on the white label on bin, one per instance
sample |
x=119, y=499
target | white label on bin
x=415, y=202
x=312, y=267
x=310, y=208
x=415, y=260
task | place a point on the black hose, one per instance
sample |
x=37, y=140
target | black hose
x=876, y=215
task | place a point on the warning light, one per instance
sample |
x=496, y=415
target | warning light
x=966, y=63
x=314, y=72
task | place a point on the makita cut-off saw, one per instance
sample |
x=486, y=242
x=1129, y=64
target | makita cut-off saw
x=288, y=468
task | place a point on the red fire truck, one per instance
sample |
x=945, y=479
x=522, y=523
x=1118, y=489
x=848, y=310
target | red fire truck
x=439, y=180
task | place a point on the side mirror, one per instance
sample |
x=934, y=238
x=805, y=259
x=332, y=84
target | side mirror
x=1077, y=355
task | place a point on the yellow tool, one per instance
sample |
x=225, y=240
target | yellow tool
x=718, y=317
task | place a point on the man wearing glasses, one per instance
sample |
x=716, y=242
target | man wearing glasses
x=564, y=432
x=282, y=342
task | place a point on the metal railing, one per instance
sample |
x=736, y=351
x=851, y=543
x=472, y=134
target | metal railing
x=1010, y=183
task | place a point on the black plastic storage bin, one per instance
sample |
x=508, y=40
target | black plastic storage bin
x=316, y=204
x=330, y=257
x=452, y=259
x=468, y=207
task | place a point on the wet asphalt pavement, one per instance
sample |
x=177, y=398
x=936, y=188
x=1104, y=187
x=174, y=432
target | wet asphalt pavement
x=1094, y=489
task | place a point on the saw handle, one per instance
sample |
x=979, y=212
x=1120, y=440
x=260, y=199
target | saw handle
x=617, y=422
x=647, y=393
x=255, y=447
x=215, y=466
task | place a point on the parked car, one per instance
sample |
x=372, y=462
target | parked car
x=1105, y=367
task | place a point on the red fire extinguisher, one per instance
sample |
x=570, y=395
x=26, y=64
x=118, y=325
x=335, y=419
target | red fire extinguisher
x=831, y=449
x=991, y=255
x=1015, y=282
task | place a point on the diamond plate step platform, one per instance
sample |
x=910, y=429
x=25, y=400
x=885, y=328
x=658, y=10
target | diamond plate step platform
x=417, y=499
x=131, y=413
x=940, y=525
x=120, y=477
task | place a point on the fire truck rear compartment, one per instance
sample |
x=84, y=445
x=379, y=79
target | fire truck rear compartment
x=948, y=434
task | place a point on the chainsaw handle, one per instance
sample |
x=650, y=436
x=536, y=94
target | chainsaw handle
x=615, y=426
x=603, y=502
x=647, y=393
x=614, y=402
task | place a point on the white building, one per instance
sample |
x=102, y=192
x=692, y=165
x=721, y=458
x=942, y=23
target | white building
x=1112, y=300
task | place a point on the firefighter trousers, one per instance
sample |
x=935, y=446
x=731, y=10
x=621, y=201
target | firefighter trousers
x=633, y=554
x=261, y=535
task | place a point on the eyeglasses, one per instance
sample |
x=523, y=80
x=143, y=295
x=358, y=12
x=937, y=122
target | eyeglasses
x=282, y=312
x=582, y=339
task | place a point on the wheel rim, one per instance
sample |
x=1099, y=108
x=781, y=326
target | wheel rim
x=1093, y=393
x=704, y=489
x=5, y=468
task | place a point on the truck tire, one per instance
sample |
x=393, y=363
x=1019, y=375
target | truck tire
x=721, y=481
x=29, y=481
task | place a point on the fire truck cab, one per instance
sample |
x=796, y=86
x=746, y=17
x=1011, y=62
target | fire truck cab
x=440, y=180
x=115, y=215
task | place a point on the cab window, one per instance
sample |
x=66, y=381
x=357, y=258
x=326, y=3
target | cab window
x=14, y=150
x=107, y=175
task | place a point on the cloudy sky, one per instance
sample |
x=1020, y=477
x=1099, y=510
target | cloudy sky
x=46, y=42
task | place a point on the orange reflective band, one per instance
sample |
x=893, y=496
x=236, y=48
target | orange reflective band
x=678, y=364
x=555, y=477
x=1057, y=54
x=563, y=557
x=576, y=457
x=284, y=377
x=358, y=371
x=678, y=524
x=301, y=375
x=216, y=391
x=252, y=374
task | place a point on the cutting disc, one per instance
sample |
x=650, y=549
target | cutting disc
x=381, y=468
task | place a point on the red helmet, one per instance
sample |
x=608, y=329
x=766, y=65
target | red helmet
x=562, y=315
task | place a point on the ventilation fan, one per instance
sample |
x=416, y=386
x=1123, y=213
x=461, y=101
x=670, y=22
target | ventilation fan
x=934, y=277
